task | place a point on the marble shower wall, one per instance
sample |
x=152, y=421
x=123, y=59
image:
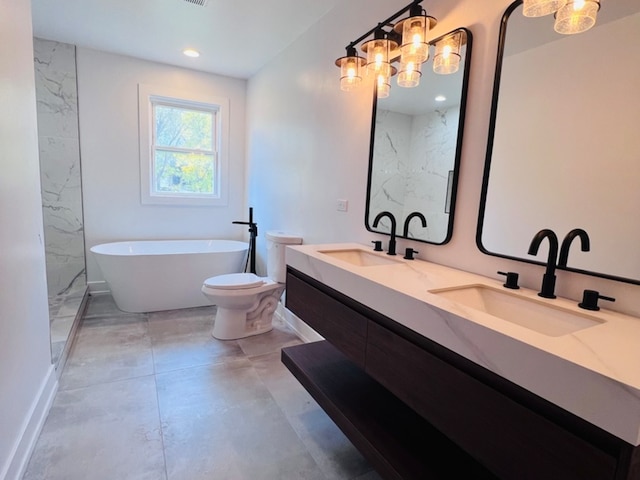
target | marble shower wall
x=58, y=137
x=413, y=157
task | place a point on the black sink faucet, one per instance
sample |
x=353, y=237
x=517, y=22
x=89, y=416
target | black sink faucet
x=392, y=241
x=585, y=245
x=549, y=278
x=408, y=220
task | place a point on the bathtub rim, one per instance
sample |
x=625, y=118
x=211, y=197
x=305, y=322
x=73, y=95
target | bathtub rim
x=239, y=245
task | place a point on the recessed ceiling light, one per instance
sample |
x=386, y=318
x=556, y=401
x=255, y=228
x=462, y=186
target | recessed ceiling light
x=440, y=98
x=191, y=52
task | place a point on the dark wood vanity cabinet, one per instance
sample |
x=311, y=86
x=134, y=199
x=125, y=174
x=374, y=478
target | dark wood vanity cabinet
x=418, y=410
x=330, y=317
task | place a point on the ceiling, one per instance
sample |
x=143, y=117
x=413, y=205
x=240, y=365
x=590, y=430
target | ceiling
x=234, y=37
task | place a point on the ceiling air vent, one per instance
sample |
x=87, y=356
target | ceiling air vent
x=202, y=3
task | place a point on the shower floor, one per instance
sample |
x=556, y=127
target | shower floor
x=63, y=312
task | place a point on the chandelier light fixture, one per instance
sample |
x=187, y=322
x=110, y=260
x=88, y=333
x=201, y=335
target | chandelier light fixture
x=405, y=44
x=571, y=16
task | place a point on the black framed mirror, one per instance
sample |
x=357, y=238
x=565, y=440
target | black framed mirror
x=414, y=158
x=563, y=149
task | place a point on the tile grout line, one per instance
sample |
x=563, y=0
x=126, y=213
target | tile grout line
x=155, y=384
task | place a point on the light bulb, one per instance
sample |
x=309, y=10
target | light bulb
x=379, y=58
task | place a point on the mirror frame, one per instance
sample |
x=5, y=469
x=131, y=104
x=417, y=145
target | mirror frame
x=487, y=165
x=456, y=164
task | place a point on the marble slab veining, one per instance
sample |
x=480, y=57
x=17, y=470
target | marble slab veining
x=59, y=149
x=592, y=373
x=414, y=154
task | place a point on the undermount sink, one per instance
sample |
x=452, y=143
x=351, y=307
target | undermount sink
x=360, y=258
x=530, y=313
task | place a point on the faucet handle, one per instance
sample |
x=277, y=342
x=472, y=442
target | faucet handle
x=590, y=300
x=377, y=245
x=512, y=280
x=408, y=253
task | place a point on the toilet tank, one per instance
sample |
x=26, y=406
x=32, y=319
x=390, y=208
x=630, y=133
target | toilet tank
x=276, y=244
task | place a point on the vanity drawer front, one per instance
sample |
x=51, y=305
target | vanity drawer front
x=511, y=440
x=342, y=326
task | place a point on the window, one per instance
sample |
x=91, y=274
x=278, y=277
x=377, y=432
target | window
x=182, y=146
x=182, y=159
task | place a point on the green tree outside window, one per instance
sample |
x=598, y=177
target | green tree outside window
x=183, y=150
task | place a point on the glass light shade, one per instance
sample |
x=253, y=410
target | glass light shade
x=447, y=57
x=540, y=8
x=576, y=16
x=377, y=51
x=383, y=81
x=351, y=67
x=383, y=85
x=414, y=39
x=410, y=74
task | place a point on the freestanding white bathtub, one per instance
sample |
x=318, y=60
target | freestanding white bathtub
x=153, y=275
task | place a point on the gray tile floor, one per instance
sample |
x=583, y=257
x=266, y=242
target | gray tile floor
x=154, y=396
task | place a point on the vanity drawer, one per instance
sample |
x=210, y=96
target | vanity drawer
x=345, y=328
x=508, y=438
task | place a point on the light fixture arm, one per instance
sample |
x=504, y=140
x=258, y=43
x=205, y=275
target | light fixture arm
x=414, y=4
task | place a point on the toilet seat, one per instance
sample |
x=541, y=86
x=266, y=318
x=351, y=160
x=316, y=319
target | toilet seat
x=234, y=281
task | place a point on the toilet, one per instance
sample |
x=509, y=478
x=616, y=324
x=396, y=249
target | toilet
x=245, y=301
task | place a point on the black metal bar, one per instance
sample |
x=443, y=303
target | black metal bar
x=385, y=22
x=253, y=233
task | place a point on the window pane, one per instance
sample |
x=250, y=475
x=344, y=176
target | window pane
x=183, y=172
x=183, y=128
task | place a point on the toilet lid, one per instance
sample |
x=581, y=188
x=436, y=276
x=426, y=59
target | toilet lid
x=234, y=281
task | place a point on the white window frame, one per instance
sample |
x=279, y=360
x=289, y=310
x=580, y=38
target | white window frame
x=147, y=95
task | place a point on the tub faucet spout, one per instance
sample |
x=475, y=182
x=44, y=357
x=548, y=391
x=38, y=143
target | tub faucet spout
x=423, y=220
x=392, y=240
x=549, y=278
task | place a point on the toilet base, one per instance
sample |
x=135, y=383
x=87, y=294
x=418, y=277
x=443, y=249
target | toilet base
x=232, y=324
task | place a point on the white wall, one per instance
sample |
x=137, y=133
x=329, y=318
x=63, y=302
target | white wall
x=108, y=98
x=308, y=142
x=27, y=378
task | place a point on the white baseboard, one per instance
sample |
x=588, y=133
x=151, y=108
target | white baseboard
x=301, y=329
x=32, y=426
x=99, y=287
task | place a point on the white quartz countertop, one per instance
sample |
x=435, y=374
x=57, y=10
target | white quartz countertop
x=593, y=373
